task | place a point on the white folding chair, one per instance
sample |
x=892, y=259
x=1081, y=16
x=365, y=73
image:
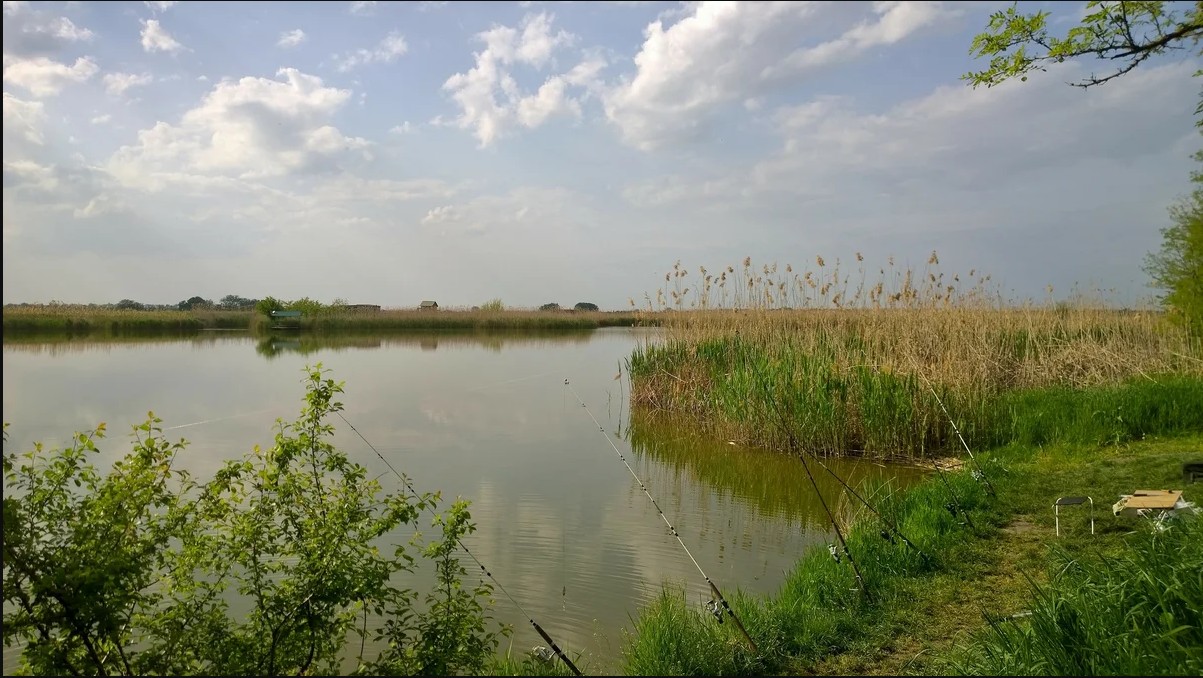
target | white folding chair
x=1071, y=501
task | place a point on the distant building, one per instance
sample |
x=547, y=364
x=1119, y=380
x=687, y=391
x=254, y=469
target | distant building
x=367, y=308
x=429, y=306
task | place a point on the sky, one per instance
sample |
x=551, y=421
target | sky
x=392, y=152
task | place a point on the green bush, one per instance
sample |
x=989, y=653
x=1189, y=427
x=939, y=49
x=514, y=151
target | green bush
x=130, y=572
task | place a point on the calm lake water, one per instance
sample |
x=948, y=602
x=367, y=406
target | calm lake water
x=561, y=524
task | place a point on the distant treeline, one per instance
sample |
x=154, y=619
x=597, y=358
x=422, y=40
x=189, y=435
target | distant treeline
x=230, y=302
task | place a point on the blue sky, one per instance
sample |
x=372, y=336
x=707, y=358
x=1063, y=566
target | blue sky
x=393, y=152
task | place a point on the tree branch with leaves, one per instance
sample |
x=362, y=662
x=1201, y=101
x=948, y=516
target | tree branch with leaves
x=1126, y=34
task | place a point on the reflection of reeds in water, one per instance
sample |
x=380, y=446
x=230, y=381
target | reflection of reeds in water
x=461, y=320
x=773, y=484
x=305, y=344
x=59, y=345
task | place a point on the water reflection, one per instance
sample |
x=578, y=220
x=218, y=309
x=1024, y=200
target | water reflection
x=485, y=416
x=775, y=484
x=304, y=344
x=95, y=344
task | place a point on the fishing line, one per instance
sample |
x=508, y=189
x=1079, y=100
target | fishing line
x=719, y=600
x=55, y=443
x=210, y=421
x=509, y=381
x=539, y=629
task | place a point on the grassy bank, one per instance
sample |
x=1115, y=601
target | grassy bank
x=68, y=321
x=1004, y=596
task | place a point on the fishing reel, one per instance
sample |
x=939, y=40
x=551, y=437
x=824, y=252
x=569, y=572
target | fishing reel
x=542, y=653
x=715, y=609
x=835, y=552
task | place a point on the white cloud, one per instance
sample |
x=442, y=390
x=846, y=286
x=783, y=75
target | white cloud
x=954, y=143
x=46, y=77
x=253, y=127
x=386, y=52
x=26, y=173
x=363, y=7
x=441, y=214
x=62, y=27
x=291, y=38
x=23, y=119
x=893, y=21
x=37, y=32
x=976, y=138
x=403, y=128
x=99, y=205
x=478, y=91
x=101, y=119
x=726, y=52
x=160, y=6
x=427, y=5
x=155, y=38
x=117, y=83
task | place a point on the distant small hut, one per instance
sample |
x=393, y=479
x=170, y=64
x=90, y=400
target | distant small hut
x=428, y=306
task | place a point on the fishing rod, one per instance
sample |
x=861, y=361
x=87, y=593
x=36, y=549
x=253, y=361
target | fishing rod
x=860, y=581
x=719, y=601
x=980, y=470
x=538, y=629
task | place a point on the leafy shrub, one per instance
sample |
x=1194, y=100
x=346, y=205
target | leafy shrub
x=131, y=572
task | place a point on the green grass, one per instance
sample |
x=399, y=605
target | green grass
x=1135, y=612
x=946, y=614
x=1165, y=405
x=528, y=664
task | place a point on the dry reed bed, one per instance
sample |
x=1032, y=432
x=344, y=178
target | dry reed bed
x=842, y=380
x=80, y=319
